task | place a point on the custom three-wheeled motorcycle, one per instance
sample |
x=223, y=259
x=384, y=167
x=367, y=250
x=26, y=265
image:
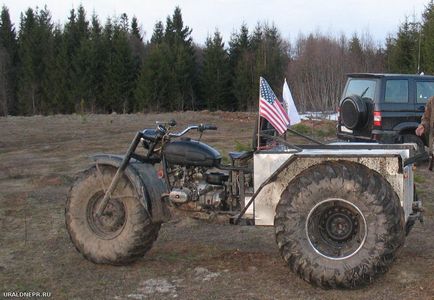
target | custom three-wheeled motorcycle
x=340, y=211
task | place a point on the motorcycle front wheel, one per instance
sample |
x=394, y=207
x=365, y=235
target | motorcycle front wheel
x=122, y=234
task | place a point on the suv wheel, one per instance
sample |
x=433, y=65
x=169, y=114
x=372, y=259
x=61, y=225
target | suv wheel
x=411, y=138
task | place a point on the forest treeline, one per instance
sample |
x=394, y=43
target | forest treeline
x=85, y=66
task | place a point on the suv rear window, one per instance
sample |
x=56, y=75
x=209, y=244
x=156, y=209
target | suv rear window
x=424, y=90
x=396, y=91
x=361, y=87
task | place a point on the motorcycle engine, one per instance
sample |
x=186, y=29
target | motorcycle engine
x=194, y=184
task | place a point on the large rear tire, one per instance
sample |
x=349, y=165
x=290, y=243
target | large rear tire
x=122, y=234
x=339, y=224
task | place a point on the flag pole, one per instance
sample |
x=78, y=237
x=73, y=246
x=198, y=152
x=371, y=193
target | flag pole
x=283, y=101
x=259, y=115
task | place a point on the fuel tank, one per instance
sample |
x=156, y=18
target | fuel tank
x=187, y=152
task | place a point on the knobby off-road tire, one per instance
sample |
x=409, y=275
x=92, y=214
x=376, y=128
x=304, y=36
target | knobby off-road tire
x=339, y=224
x=123, y=234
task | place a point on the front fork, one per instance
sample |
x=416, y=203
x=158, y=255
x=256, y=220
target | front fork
x=102, y=205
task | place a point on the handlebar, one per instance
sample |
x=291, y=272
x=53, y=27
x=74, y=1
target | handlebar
x=209, y=127
x=151, y=137
x=178, y=134
x=163, y=128
x=201, y=128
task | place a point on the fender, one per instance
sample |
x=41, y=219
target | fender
x=146, y=182
x=405, y=126
x=281, y=168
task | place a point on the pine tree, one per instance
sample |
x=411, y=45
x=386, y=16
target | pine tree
x=138, y=53
x=43, y=58
x=122, y=68
x=216, y=74
x=158, y=35
x=7, y=33
x=179, y=45
x=273, y=59
x=4, y=82
x=8, y=60
x=239, y=42
x=356, y=54
x=76, y=34
x=98, y=65
x=108, y=77
x=427, y=59
x=35, y=55
x=119, y=71
x=54, y=82
x=167, y=79
x=242, y=60
x=403, y=56
x=151, y=92
x=263, y=53
x=135, y=31
x=26, y=84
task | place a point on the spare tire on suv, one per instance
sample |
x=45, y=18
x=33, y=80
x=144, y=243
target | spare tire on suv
x=354, y=112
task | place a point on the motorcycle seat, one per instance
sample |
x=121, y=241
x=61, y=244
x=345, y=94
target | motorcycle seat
x=240, y=155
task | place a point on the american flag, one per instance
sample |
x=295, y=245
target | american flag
x=271, y=109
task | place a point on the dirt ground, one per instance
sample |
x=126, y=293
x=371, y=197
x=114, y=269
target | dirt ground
x=191, y=259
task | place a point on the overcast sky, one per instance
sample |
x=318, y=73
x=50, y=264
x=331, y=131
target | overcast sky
x=291, y=17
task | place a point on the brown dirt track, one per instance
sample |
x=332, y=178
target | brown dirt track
x=191, y=259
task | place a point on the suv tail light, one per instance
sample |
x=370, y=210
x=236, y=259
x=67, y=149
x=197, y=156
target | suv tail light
x=377, y=118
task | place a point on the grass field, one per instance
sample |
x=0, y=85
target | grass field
x=191, y=259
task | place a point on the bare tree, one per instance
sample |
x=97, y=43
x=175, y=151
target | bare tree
x=316, y=72
x=320, y=62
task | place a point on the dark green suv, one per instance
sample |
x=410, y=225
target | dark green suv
x=384, y=108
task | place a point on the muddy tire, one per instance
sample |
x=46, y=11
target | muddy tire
x=339, y=224
x=123, y=234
